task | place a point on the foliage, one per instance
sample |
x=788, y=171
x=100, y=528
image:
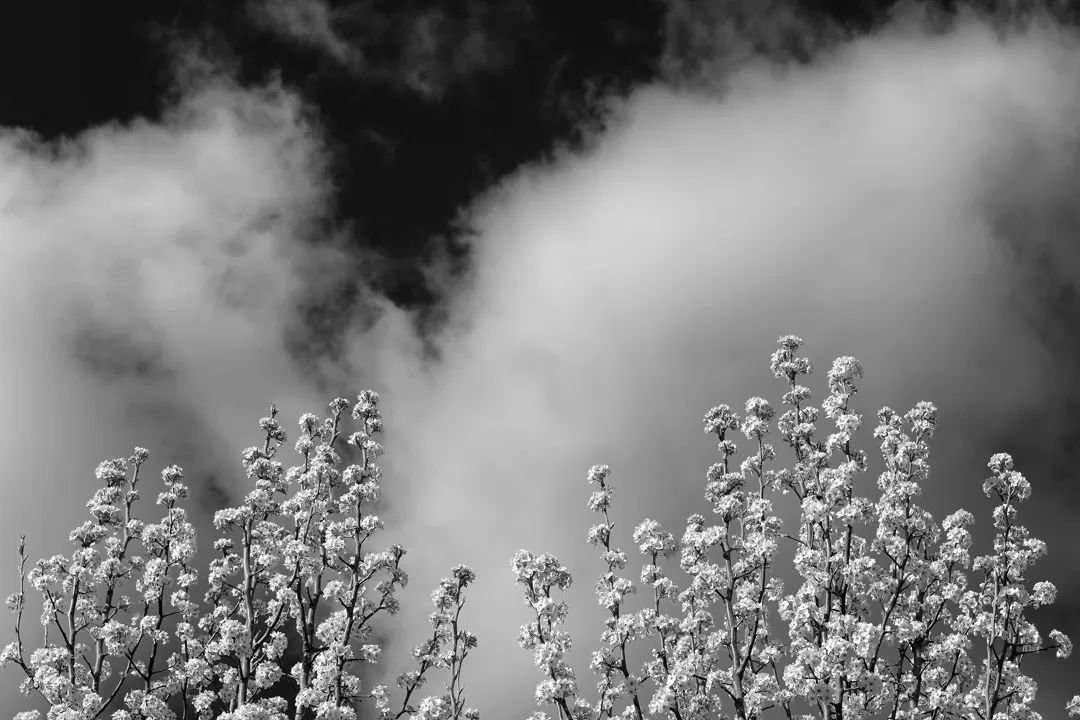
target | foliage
x=885, y=622
x=288, y=610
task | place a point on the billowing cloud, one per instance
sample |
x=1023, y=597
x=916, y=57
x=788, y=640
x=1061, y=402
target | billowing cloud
x=149, y=275
x=618, y=293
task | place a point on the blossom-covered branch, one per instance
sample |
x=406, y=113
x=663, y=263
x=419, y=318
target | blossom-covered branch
x=884, y=623
x=293, y=577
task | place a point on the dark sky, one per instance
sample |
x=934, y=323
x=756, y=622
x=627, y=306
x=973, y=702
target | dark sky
x=416, y=133
x=409, y=152
x=553, y=234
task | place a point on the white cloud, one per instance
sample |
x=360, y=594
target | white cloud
x=617, y=294
x=147, y=273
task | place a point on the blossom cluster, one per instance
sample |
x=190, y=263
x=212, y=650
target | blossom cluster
x=287, y=611
x=892, y=617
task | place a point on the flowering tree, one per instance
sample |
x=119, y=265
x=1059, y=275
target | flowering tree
x=293, y=577
x=885, y=622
